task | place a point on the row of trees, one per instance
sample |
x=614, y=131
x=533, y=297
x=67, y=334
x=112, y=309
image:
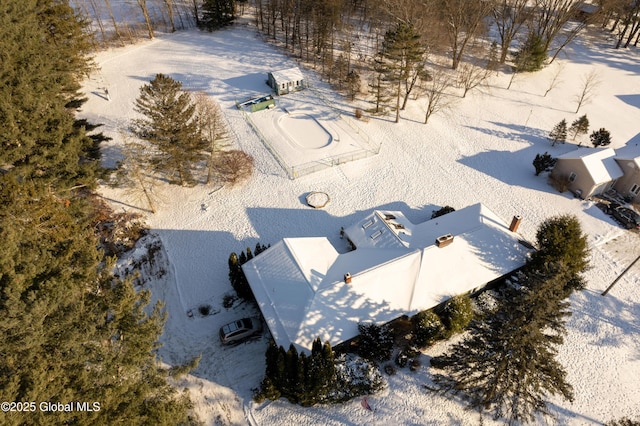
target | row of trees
x=399, y=55
x=302, y=379
x=600, y=137
x=507, y=363
x=69, y=329
x=238, y=280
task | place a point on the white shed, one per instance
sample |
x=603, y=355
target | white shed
x=285, y=81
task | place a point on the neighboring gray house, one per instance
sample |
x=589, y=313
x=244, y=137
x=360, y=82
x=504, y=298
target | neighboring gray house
x=628, y=158
x=589, y=171
x=286, y=81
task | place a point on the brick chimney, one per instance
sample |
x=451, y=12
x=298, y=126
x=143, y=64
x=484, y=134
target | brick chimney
x=515, y=222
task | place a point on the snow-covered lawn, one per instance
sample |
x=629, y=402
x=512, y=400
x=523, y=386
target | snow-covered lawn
x=481, y=151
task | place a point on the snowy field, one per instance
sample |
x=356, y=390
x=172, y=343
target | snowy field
x=480, y=151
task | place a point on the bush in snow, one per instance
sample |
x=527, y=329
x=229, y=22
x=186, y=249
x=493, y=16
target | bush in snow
x=428, y=328
x=543, y=163
x=625, y=421
x=356, y=377
x=456, y=314
x=600, y=137
x=375, y=342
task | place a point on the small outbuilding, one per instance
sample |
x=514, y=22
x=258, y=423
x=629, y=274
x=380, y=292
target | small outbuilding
x=286, y=81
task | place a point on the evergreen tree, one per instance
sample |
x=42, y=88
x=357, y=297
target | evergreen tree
x=45, y=53
x=375, y=342
x=217, y=14
x=404, y=53
x=559, y=133
x=378, y=85
x=237, y=278
x=543, y=162
x=69, y=330
x=580, y=126
x=169, y=126
x=562, y=248
x=507, y=364
x=600, y=137
x=532, y=55
x=353, y=84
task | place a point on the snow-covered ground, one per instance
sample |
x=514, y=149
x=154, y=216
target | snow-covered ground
x=480, y=151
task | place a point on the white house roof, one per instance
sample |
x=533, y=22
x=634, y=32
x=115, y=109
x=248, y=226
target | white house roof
x=630, y=153
x=300, y=288
x=291, y=74
x=600, y=163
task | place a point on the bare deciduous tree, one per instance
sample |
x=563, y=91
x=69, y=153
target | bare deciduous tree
x=147, y=18
x=589, y=84
x=212, y=127
x=169, y=5
x=471, y=76
x=464, y=22
x=509, y=16
x=132, y=172
x=113, y=19
x=555, y=80
x=435, y=92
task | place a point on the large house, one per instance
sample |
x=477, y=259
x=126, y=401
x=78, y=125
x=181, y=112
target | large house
x=306, y=289
x=593, y=171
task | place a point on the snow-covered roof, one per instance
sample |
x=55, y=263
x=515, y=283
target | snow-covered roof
x=291, y=74
x=630, y=153
x=300, y=286
x=600, y=163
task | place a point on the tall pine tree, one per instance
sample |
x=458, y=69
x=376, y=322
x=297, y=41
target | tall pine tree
x=168, y=124
x=217, y=14
x=558, y=133
x=45, y=51
x=404, y=64
x=69, y=330
x=507, y=365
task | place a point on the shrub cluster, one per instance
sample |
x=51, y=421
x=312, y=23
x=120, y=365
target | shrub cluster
x=430, y=326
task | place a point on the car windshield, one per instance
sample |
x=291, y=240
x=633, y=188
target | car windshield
x=247, y=323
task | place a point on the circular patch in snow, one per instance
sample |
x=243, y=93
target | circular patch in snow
x=317, y=200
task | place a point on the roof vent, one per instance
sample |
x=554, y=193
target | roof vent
x=444, y=240
x=347, y=278
x=515, y=222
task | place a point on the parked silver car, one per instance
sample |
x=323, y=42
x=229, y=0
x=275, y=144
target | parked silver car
x=239, y=330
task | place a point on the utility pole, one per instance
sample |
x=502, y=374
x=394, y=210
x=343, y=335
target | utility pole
x=604, y=293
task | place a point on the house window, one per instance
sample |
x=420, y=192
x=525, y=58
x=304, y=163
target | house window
x=635, y=188
x=572, y=177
